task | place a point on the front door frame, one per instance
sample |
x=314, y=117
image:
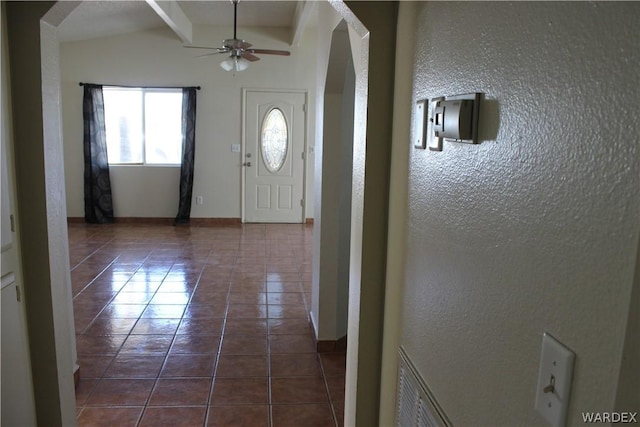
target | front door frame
x=243, y=142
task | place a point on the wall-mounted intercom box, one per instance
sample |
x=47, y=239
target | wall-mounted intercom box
x=451, y=118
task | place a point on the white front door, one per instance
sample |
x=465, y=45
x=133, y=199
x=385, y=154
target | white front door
x=273, y=162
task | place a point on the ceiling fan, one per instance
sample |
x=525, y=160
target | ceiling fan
x=240, y=52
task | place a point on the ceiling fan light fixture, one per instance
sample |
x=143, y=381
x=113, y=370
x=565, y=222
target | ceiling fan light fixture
x=234, y=63
x=241, y=64
x=228, y=64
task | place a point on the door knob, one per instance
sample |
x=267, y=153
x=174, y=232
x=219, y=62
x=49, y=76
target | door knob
x=248, y=164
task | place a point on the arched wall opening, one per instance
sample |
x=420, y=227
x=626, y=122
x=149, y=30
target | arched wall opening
x=37, y=139
x=332, y=217
x=40, y=173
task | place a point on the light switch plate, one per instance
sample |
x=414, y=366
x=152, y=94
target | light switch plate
x=235, y=148
x=554, y=381
x=420, y=124
x=433, y=142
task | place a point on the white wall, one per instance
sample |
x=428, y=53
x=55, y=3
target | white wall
x=372, y=29
x=57, y=235
x=157, y=58
x=330, y=278
x=37, y=145
x=536, y=229
x=398, y=187
x=325, y=262
x=346, y=166
x=328, y=19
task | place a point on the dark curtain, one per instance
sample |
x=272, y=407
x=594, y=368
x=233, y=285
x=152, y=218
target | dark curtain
x=188, y=154
x=98, y=204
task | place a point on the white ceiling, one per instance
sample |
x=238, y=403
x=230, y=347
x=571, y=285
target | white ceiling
x=93, y=19
x=262, y=13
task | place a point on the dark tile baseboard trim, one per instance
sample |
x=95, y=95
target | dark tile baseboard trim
x=199, y=222
x=215, y=221
x=325, y=346
x=76, y=377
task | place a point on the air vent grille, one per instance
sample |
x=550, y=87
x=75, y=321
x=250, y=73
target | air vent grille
x=408, y=400
x=416, y=407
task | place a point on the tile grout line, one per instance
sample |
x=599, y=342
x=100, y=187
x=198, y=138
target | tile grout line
x=207, y=413
x=173, y=340
x=117, y=352
x=268, y=336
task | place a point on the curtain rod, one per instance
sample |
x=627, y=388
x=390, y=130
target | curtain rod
x=145, y=87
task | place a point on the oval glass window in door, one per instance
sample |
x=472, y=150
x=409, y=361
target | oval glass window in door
x=274, y=140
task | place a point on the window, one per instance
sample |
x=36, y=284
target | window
x=143, y=126
x=274, y=140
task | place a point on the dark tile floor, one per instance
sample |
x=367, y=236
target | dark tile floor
x=199, y=326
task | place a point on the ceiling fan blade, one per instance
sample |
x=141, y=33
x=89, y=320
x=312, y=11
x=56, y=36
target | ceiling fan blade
x=250, y=57
x=270, y=52
x=202, y=47
x=209, y=54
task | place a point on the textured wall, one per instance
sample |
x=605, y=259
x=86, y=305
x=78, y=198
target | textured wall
x=535, y=229
x=373, y=53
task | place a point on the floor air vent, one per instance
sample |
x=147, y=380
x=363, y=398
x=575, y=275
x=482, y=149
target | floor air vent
x=416, y=405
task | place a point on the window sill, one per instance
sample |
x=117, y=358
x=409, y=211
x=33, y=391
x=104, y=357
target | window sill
x=141, y=165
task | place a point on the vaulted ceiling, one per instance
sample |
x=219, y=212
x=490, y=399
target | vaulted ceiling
x=93, y=19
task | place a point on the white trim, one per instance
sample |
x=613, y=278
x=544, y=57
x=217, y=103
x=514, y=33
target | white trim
x=243, y=152
x=145, y=165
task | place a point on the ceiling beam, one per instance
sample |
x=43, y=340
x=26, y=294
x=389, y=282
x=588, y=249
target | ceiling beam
x=172, y=14
x=300, y=20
